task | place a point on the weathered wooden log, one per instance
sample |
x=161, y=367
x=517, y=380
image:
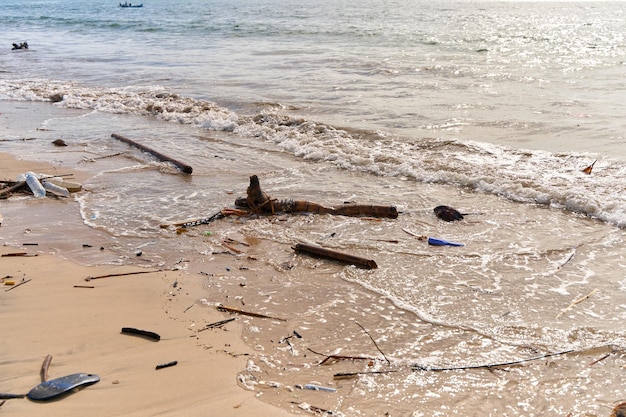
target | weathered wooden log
x=256, y=199
x=295, y=206
x=336, y=256
x=183, y=167
x=260, y=202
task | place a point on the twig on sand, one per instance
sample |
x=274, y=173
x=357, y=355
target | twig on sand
x=580, y=300
x=246, y=313
x=375, y=344
x=121, y=274
x=348, y=375
x=7, y=396
x=330, y=358
x=100, y=157
x=567, y=260
x=420, y=237
x=216, y=324
x=418, y=367
x=17, y=285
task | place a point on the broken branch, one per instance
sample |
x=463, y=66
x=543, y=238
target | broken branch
x=121, y=274
x=417, y=367
x=341, y=357
x=7, y=396
x=246, y=313
x=216, y=324
x=375, y=344
x=347, y=375
x=17, y=285
x=580, y=300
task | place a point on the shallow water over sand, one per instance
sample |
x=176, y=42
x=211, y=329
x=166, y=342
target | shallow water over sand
x=530, y=281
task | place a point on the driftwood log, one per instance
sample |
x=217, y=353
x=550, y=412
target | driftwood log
x=260, y=202
x=182, y=166
x=321, y=252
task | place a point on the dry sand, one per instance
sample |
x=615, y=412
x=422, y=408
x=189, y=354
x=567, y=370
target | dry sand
x=52, y=314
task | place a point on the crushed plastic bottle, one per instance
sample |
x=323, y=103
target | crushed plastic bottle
x=35, y=186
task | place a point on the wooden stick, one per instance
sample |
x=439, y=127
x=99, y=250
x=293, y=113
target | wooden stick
x=102, y=157
x=417, y=367
x=341, y=357
x=346, y=375
x=17, y=285
x=375, y=344
x=15, y=187
x=246, y=313
x=420, y=237
x=7, y=396
x=43, y=373
x=581, y=299
x=216, y=324
x=334, y=255
x=121, y=274
x=601, y=359
x=166, y=365
x=198, y=222
x=227, y=246
x=183, y=167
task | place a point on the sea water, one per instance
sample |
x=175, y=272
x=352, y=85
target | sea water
x=494, y=108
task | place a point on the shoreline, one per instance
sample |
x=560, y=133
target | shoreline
x=249, y=263
x=52, y=310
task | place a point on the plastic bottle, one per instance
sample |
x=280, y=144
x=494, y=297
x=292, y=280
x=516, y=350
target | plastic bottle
x=55, y=189
x=35, y=186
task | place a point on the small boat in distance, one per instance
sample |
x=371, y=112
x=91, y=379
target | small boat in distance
x=127, y=4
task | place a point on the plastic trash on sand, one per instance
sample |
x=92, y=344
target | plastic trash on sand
x=55, y=189
x=33, y=183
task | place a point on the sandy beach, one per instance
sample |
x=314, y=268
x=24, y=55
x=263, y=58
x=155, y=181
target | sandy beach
x=49, y=308
x=79, y=324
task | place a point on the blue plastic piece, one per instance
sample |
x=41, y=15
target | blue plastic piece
x=440, y=242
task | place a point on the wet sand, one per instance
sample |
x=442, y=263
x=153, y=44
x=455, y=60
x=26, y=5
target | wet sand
x=49, y=308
